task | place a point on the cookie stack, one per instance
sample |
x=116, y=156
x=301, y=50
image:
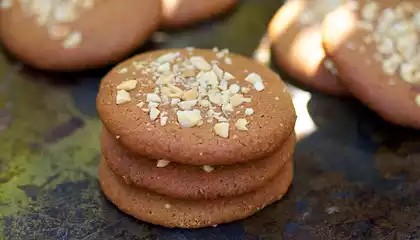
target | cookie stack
x=194, y=137
x=365, y=48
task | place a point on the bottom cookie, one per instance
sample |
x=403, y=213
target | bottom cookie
x=160, y=210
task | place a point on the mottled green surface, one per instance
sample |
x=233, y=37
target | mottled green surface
x=356, y=177
x=33, y=161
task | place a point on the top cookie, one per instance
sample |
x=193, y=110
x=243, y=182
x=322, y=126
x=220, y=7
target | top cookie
x=76, y=34
x=374, y=45
x=295, y=32
x=196, y=106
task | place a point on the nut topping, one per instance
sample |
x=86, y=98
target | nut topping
x=394, y=32
x=123, y=97
x=190, y=92
x=162, y=163
x=127, y=85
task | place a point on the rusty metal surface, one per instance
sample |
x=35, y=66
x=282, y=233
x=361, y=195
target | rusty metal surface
x=356, y=177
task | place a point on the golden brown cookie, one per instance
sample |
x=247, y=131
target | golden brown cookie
x=178, y=13
x=194, y=182
x=74, y=35
x=195, y=106
x=295, y=33
x=375, y=49
x=157, y=209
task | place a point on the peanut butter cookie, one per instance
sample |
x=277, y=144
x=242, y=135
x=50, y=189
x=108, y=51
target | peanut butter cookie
x=195, y=106
x=76, y=34
x=295, y=32
x=374, y=45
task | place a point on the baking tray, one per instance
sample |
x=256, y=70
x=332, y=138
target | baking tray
x=356, y=177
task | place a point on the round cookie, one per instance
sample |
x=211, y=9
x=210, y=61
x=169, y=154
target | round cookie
x=178, y=13
x=375, y=49
x=162, y=106
x=157, y=209
x=194, y=182
x=75, y=35
x=295, y=33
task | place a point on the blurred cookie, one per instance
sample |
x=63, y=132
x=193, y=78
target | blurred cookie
x=193, y=182
x=169, y=212
x=178, y=13
x=74, y=35
x=374, y=45
x=195, y=106
x=295, y=33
